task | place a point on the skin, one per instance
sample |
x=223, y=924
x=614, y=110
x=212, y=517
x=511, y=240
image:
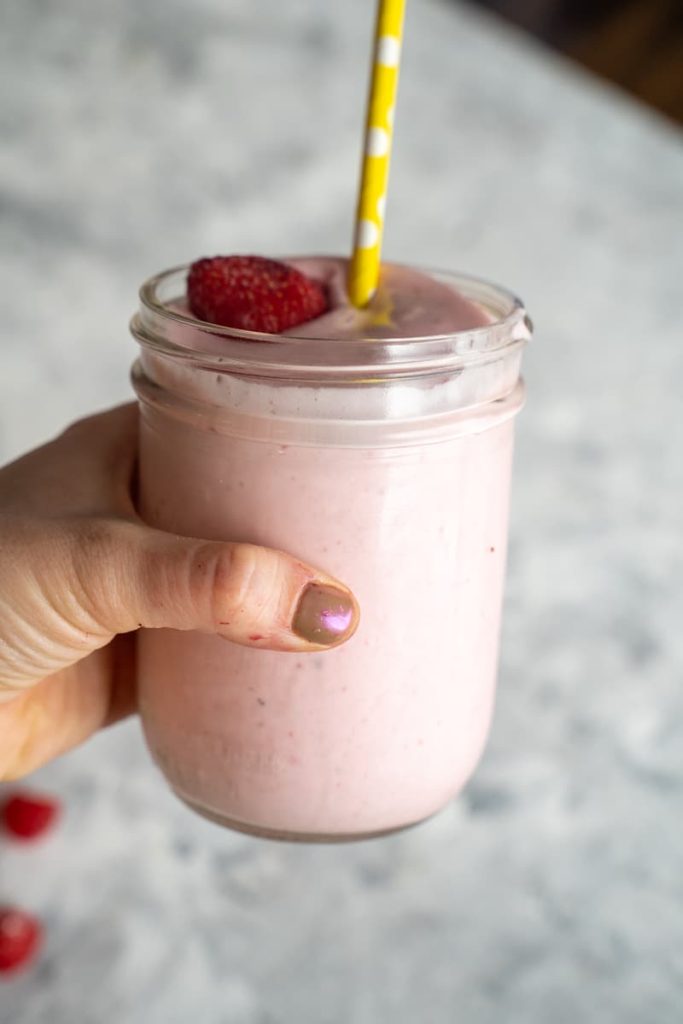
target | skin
x=80, y=573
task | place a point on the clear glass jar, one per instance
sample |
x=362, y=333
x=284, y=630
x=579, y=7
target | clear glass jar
x=387, y=464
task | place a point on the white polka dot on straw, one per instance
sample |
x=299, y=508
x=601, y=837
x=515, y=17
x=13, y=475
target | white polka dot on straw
x=377, y=142
x=388, y=51
x=381, y=206
x=368, y=234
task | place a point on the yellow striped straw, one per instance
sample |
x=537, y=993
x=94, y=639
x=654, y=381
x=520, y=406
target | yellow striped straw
x=365, y=259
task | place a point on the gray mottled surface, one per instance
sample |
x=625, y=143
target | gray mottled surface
x=137, y=135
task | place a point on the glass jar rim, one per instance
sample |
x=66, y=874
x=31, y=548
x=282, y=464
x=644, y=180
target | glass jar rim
x=166, y=330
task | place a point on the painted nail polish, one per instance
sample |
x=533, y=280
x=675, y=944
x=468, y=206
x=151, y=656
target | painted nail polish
x=324, y=615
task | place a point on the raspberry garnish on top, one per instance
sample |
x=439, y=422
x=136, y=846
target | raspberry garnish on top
x=253, y=293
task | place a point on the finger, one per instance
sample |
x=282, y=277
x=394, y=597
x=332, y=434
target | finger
x=66, y=708
x=87, y=470
x=131, y=576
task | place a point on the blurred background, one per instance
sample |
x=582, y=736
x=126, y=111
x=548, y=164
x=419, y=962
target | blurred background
x=135, y=136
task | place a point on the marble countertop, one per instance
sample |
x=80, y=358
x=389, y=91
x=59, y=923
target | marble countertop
x=136, y=136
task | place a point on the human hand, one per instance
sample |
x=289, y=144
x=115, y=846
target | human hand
x=80, y=573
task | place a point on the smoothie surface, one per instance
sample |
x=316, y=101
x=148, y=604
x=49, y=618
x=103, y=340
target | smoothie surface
x=407, y=304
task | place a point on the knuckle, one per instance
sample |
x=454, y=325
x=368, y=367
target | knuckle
x=184, y=583
x=235, y=574
x=92, y=541
x=98, y=555
x=235, y=580
x=91, y=548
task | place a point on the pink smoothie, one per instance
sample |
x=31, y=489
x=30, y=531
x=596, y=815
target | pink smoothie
x=401, y=491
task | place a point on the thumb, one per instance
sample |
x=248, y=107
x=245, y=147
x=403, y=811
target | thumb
x=133, y=576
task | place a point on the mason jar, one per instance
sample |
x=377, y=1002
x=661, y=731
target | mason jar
x=384, y=462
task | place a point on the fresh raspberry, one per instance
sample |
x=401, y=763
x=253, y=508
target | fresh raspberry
x=20, y=936
x=27, y=816
x=253, y=293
